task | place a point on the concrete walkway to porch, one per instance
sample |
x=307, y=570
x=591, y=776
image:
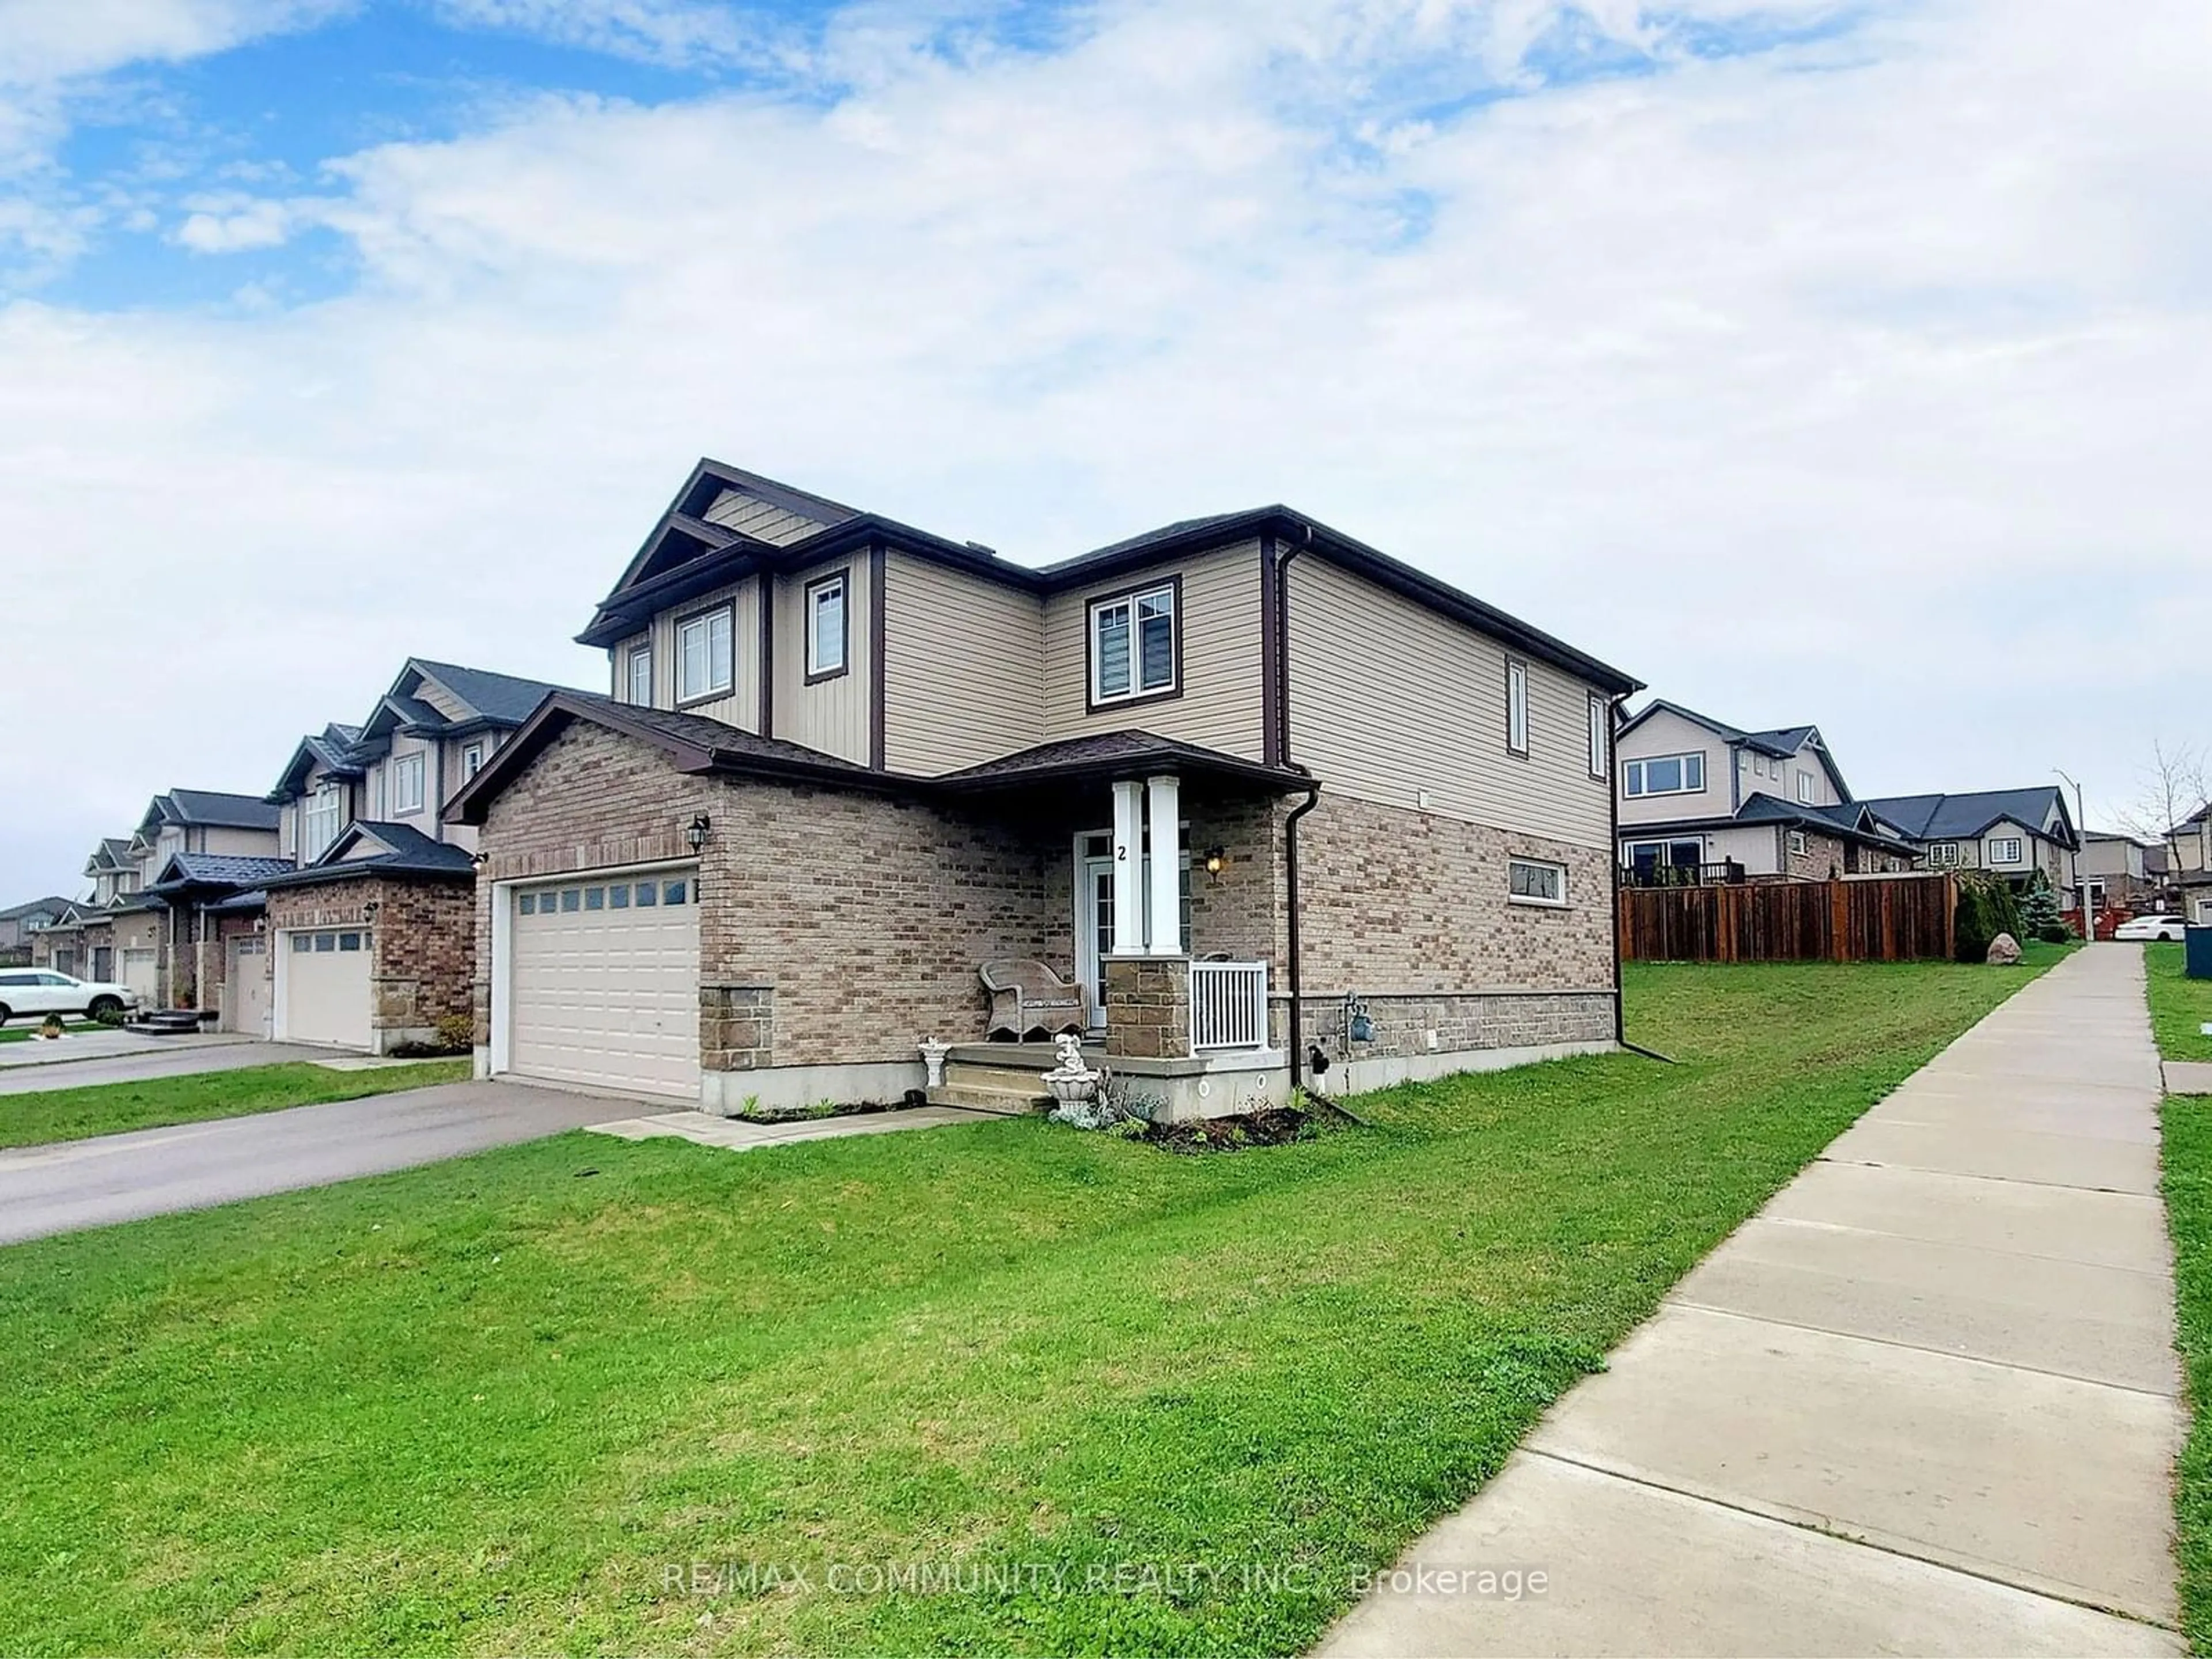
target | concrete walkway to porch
x=737, y=1135
x=1926, y=1401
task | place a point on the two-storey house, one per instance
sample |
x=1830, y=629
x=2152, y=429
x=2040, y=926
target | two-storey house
x=2013, y=833
x=1699, y=800
x=2189, y=875
x=1270, y=804
x=370, y=941
x=19, y=923
x=202, y=857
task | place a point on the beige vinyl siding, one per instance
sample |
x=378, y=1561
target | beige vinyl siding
x=239, y=843
x=764, y=522
x=386, y=806
x=1222, y=689
x=962, y=659
x=428, y=690
x=832, y=714
x=1390, y=702
x=287, y=833
x=741, y=707
x=1668, y=733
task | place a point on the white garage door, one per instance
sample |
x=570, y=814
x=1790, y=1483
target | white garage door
x=142, y=973
x=604, y=987
x=326, y=985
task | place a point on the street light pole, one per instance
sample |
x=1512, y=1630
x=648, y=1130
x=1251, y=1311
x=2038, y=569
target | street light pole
x=2081, y=875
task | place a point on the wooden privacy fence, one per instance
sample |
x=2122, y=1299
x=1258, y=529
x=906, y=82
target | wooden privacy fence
x=1872, y=919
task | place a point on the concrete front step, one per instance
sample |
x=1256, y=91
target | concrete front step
x=1010, y=1102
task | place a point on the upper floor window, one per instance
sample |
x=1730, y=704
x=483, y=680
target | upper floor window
x=1666, y=774
x=1806, y=792
x=1517, y=706
x=1943, y=854
x=321, y=817
x=1135, y=649
x=1600, y=735
x=2004, y=849
x=472, y=760
x=703, y=663
x=825, y=627
x=640, y=676
x=407, y=783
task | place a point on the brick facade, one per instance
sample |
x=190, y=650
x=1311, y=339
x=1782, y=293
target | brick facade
x=422, y=945
x=1822, y=859
x=839, y=927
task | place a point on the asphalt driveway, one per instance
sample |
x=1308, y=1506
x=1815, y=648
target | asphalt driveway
x=127, y=1057
x=94, y=1183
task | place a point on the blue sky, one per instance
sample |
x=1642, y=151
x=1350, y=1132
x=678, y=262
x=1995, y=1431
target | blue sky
x=1815, y=361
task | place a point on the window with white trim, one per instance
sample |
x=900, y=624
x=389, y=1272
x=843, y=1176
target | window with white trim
x=1601, y=736
x=472, y=760
x=1805, y=790
x=825, y=626
x=406, y=783
x=641, y=677
x=1517, y=706
x=2004, y=849
x=1666, y=774
x=704, y=667
x=1798, y=843
x=1535, y=881
x=322, y=815
x=1943, y=854
x=1133, y=645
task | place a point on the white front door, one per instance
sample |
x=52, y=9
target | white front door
x=1094, y=918
x=246, y=987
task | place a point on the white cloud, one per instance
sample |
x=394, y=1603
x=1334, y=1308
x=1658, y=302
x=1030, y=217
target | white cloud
x=1857, y=383
x=234, y=224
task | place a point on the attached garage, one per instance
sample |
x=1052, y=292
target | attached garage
x=142, y=972
x=246, y=987
x=602, y=982
x=323, y=987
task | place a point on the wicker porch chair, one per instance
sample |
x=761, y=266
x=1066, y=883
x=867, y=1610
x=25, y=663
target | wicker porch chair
x=1029, y=997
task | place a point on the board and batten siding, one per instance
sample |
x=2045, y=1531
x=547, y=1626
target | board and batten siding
x=1391, y=702
x=962, y=659
x=764, y=522
x=741, y=707
x=832, y=714
x=1223, y=687
x=1668, y=733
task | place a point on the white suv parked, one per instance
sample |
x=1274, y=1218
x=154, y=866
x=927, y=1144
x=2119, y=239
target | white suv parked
x=40, y=991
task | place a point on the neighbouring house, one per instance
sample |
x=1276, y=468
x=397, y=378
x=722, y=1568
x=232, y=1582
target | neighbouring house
x=367, y=937
x=2121, y=871
x=2191, y=877
x=1271, y=805
x=19, y=922
x=2013, y=833
x=1701, y=800
x=115, y=934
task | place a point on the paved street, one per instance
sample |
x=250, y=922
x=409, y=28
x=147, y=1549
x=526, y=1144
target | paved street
x=1925, y=1402
x=126, y=1057
x=91, y=1183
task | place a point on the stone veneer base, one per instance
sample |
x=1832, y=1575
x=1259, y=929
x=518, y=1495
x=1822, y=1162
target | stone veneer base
x=1356, y=1077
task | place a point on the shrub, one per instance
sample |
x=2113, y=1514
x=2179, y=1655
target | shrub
x=456, y=1032
x=1986, y=909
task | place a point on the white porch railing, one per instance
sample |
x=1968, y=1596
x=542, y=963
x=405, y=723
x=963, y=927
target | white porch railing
x=1228, y=1005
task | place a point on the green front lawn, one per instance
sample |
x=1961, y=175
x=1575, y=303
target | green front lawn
x=1159, y=1404
x=2179, y=1006
x=106, y=1108
x=30, y=1028
x=2186, y=1156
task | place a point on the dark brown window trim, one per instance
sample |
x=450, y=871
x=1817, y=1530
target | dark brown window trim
x=878, y=579
x=676, y=655
x=1528, y=709
x=1092, y=704
x=844, y=575
x=764, y=603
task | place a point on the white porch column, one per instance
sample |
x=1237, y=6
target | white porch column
x=1128, y=939
x=1162, y=796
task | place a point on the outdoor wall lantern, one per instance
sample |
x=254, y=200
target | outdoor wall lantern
x=480, y=859
x=261, y=924
x=697, y=834
x=369, y=910
x=1217, y=860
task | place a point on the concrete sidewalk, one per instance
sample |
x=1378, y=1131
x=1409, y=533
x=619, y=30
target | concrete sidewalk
x=1926, y=1401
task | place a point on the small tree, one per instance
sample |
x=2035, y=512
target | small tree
x=2175, y=785
x=2039, y=914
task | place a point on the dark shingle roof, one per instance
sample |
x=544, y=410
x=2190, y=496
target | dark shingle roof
x=217, y=870
x=220, y=810
x=1959, y=818
x=1848, y=821
x=410, y=853
x=501, y=697
x=1166, y=532
x=1107, y=755
x=50, y=905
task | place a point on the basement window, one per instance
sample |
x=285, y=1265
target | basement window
x=1536, y=881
